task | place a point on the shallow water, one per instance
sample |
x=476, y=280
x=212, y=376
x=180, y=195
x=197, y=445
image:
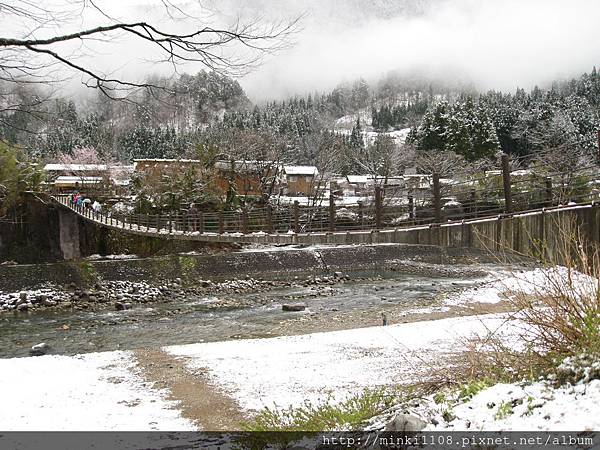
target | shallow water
x=191, y=320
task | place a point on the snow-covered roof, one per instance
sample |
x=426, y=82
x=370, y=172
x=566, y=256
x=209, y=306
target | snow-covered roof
x=521, y=172
x=165, y=160
x=301, y=170
x=359, y=178
x=75, y=167
x=245, y=165
x=81, y=180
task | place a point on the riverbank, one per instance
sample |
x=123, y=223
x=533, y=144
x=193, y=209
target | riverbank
x=115, y=391
x=268, y=263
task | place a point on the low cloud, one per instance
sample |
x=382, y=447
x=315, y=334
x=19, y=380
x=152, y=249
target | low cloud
x=497, y=44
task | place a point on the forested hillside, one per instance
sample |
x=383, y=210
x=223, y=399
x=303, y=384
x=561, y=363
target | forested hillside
x=211, y=114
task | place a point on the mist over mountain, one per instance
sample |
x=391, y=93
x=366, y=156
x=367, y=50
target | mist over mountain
x=495, y=44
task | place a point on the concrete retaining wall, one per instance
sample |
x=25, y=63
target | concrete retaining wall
x=230, y=265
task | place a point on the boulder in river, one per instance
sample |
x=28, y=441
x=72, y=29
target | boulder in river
x=120, y=306
x=293, y=307
x=39, y=349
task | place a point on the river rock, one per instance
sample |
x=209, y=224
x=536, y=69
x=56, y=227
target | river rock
x=39, y=349
x=120, y=306
x=293, y=307
x=405, y=423
x=23, y=306
x=48, y=302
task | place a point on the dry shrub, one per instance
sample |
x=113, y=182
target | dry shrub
x=562, y=315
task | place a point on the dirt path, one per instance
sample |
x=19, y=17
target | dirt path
x=199, y=400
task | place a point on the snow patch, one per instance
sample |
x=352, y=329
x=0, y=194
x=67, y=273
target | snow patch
x=288, y=370
x=92, y=392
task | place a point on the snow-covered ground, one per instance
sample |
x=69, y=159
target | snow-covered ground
x=535, y=406
x=96, y=391
x=102, y=391
x=344, y=125
x=369, y=137
x=288, y=370
x=503, y=284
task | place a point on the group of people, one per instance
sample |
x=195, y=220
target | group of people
x=76, y=198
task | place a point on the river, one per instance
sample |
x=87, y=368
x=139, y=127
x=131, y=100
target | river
x=193, y=319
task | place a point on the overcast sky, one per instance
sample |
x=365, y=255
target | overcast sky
x=497, y=44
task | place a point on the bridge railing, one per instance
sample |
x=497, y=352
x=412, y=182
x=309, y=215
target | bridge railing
x=440, y=201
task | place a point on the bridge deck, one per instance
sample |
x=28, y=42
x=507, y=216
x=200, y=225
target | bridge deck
x=367, y=236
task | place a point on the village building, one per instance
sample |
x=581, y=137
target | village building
x=66, y=177
x=155, y=169
x=299, y=180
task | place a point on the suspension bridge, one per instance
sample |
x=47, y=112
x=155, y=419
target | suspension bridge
x=503, y=211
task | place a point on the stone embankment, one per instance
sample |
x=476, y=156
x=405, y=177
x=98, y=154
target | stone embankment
x=88, y=284
x=122, y=295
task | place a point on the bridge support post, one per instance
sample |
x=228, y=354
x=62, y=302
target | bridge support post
x=473, y=203
x=221, y=223
x=331, y=212
x=378, y=207
x=508, y=207
x=200, y=223
x=269, y=219
x=244, y=223
x=548, y=192
x=296, y=217
x=69, y=235
x=437, y=198
x=361, y=215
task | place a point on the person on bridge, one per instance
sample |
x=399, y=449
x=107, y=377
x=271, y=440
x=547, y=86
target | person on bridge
x=193, y=216
x=96, y=207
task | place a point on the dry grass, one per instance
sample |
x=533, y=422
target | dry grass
x=560, y=319
x=562, y=316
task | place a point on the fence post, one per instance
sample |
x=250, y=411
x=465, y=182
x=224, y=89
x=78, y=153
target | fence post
x=139, y=222
x=361, y=214
x=473, y=203
x=378, y=207
x=508, y=207
x=269, y=217
x=170, y=223
x=221, y=223
x=200, y=224
x=157, y=222
x=184, y=222
x=548, y=192
x=244, y=220
x=331, y=212
x=411, y=208
x=437, y=198
x=296, y=217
